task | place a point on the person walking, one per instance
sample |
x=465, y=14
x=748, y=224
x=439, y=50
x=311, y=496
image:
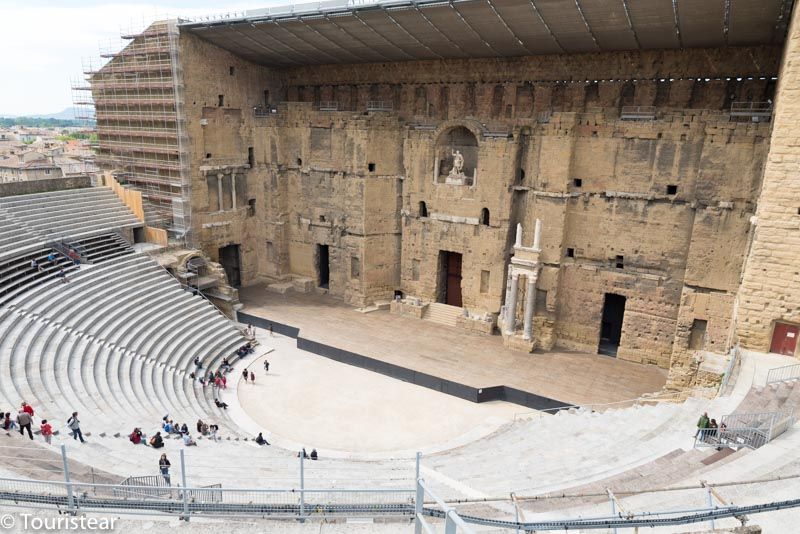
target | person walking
x=252, y=377
x=47, y=431
x=270, y=331
x=75, y=426
x=163, y=466
x=245, y=375
x=702, y=425
x=24, y=421
x=27, y=408
x=266, y=366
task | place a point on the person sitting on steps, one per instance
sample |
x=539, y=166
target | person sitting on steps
x=157, y=441
x=260, y=439
x=136, y=436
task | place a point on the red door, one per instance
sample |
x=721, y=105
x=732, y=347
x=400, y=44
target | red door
x=454, y=279
x=784, y=339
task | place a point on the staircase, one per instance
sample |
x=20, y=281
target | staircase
x=442, y=313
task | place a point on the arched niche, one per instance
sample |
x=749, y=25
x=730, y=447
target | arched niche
x=456, y=157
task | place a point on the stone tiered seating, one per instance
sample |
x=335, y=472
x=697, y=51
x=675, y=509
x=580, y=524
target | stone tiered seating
x=116, y=343
x=71, y=213
x=17, y=275
x=103, y=247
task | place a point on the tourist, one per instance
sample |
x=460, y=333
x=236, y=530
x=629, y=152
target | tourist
x=163, y=466
x=192, y=376
x=47, y=431
x=24, y=421
x=167, y=427
x=197, y=363
x=27, y=408
x=266, y=365
x=712, y=429
x=136, y=436
x=61, y=274
x=184, y=429
x=34, y=265
x=252, y=377
x=75, y=426
x=702, y=424
x=260, y=439
x=157, y=441
x=202, y=381
x=250, y=332
x=245, y=374
x=302, y=453
x=270, y=331
x=213, y=431
x=200, y=426
x=220, y=404
x=224, y=382
x=314, y=454
x=188, y=441
x=52, y=258
x=8, y=423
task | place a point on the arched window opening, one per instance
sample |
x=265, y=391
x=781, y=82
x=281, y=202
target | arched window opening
x=485, y=216
x=423, y=209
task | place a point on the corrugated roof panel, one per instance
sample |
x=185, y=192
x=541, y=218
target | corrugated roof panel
x=701, y=22
x=338, y=38
x=491, y=28
x=298, y=35
x=526, y=24
x=654, y=23
x=753, y=21
x=367, y=35
x=609, y=24
x=381, y=23
x=566, y=23
x=448, y=21
x=415, y=24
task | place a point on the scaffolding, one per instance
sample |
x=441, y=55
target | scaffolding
x=134, y=92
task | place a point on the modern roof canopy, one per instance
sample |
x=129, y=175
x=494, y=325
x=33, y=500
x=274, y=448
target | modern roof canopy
x=364, y=31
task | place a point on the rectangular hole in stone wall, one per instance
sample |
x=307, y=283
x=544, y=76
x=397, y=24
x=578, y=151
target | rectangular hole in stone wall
x=270, y=251
x=251, y=207
x=577, y=182
x=355, y=267
x=697, y=337
x=672, y=189
x=231, y=70
x=485, y=281
x=540, y=304
x=208, y=155
x=371, y=167
x=221, y=100
x=251, y=159
x=415, y=269
x=570, y=252
x=619, y=262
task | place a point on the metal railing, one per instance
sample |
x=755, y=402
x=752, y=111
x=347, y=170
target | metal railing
x=638, y=113
x=751, y=109
x=332, y=105
x=452, y=521
x=734, y=359
x=299, y=503
x=751, y=430
x=627, y=403
x=379, y=105
x=783, y=374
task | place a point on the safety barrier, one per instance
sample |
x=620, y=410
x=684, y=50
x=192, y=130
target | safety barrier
x=782, y=374
x=752, y=430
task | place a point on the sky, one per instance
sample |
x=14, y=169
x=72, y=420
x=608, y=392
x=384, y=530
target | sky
x=43, y=43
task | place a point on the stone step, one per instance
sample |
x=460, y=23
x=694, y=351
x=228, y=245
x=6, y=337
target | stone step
x=444, y=314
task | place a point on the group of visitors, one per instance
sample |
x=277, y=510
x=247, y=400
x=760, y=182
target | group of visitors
x=24, y=419
x=304, y=454
x=708, y=429
x=246, y=374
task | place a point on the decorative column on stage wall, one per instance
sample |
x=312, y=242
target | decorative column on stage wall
x=525, y=263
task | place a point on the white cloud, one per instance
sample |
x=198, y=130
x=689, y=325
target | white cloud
x=42, y=47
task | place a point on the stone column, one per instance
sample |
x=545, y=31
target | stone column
x=219, y=190
x=511, y=305
x=537, y=235
x=233, y=190
x=530, y=306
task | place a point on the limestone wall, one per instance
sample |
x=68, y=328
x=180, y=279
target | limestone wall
x=770, y=289
x=656, y=210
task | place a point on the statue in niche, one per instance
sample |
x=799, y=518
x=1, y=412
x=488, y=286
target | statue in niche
x=458, y=165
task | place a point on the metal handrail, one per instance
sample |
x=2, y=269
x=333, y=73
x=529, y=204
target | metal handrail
x=783, y=374
x=670, y=397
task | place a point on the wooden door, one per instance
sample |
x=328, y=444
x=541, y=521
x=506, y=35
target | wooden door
x=454, y=279
x=784, y=339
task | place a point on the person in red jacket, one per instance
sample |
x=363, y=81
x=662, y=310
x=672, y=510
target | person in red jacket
x=27, y=408
x=136, y=436
x=47, y=431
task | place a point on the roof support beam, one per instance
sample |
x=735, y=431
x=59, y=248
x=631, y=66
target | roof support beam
x=585, y=23
x=469, y=26
x=546, y=25
x=630, y=22
x=396, y=23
